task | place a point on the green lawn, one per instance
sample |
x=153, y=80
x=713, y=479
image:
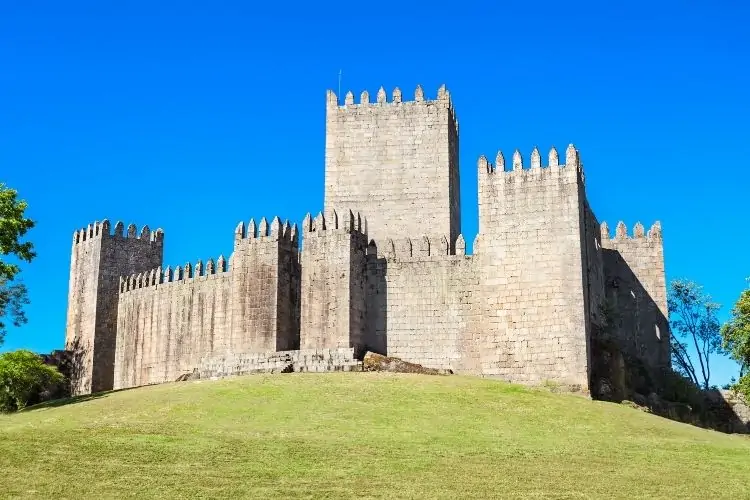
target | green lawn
x=347, y=435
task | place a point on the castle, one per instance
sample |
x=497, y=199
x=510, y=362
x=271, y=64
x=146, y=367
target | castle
x=384, y=268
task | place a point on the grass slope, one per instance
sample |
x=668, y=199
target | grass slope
x=347, y=435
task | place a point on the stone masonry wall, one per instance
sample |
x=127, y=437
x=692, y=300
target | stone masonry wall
x=420, y=300
x=636, y=287
x=594, y=266
x=395, y=162
x=305, y=360
x=168, y=322
x=534, y=324
x=98, y=259
x=264, y=288
x=334, y=270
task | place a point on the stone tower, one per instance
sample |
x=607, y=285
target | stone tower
x=534, y=269
x=98, y=259
x=395, y=162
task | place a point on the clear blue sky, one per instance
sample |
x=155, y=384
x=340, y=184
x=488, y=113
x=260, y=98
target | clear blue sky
x=191, y=116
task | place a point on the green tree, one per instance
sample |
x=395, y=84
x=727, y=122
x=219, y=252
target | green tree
x=693, y=320
x=735, y=334
x=13, y=227
x=23, y=376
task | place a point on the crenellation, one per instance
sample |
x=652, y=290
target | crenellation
x=554, y=158
x=397, y=95
x=383, y=267
x=639, y=233
x=419, y=94
x=96, y=231
x=517, y=161
x=381, y=99
x=571, y=156
x=460, y=245
x=517, y=166
x=536, y=159
x=263, y=228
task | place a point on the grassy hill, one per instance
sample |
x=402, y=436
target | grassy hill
x=347, y=435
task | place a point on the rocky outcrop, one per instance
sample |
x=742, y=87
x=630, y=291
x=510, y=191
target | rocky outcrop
x=374, y=362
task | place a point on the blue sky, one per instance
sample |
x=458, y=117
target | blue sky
x=194, y=116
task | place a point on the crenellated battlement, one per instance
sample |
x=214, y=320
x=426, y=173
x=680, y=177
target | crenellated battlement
x=442, y=100
x=572, y=161
x=638, y=234
x=350, y=222
x=103, y=230
x=188, y=272
x=275, y=231
x=420, y=248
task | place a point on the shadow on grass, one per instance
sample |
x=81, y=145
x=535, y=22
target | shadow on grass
x=55, y=403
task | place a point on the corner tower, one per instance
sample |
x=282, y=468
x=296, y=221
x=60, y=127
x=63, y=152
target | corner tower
x=395, y=162
x=98, y=259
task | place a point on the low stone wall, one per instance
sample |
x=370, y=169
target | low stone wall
x=741, y=410
x=306, y=360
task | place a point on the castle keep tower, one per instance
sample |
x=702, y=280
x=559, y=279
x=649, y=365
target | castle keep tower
x=98, y=259
x=395, y=162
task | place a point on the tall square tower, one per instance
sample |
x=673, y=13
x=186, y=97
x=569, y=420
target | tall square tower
x=396, y=163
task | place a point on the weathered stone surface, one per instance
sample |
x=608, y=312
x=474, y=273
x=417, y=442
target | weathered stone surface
x=98, y=260
x=383, y=269
x=374, y=362
x=397, y=163
x=304, y=360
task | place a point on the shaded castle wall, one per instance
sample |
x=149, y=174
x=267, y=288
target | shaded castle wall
x=265, y=288
x=395, y=162
x=636, y=288
x=168, y=321
x=420, y=302
x=532, y=278
x=98, y=259
x=334, y=267
x=594, y=266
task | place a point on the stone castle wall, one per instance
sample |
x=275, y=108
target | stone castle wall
x=420, y=302
x=636, y=288
x=532, y=275
x=383, y=268
x=98, y=259
x=169, y=320
x=334, y=276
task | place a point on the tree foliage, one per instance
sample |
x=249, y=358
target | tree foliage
x=736, y=339
x=23, y=376
x=13, y=227
x=694, y=326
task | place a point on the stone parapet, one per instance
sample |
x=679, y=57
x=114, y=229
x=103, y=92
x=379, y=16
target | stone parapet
x=304, y=360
